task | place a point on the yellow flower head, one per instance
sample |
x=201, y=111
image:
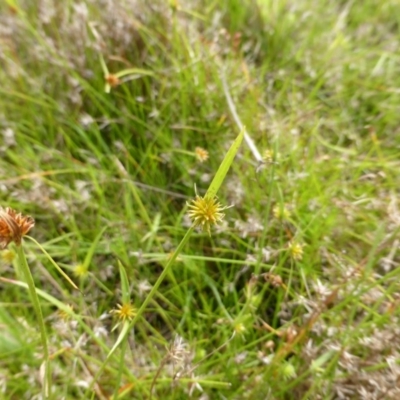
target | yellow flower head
x=13, y=227
x=64, y=314
x=295, y=250
x=205, y=212
x=239, y=328
x=81, y=271
x=268, y=156
x=7, y=256
x=281, y=212
x=124, y=311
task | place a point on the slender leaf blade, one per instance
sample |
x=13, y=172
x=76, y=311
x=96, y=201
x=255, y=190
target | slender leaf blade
x=124, y=283
x=225, y=165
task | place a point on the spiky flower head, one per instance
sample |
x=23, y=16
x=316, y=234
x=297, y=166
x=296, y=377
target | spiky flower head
x=125, y=311
x=201, y=154
x=205, y=212
x=66, y=313
x=81, y=271
x=7, y=256
x=179, y=351
x=13, y=226
x=239, y=328
x=281, y=212
x=268, y=156
x=295, y=250
x=288, y=371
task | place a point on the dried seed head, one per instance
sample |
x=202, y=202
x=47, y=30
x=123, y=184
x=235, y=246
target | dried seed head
x=112, y=80
x=179, y=351
x=290, y=334
x=274, y=280
x=13, y=226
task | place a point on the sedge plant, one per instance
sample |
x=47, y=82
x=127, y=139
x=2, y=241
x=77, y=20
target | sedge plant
x=13, y=226
x=204, y=212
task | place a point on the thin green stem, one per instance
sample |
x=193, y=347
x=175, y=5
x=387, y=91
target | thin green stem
x=120, y=369
x=162, y=276
x=53, y=262
x=148, y=298
x=24, y=267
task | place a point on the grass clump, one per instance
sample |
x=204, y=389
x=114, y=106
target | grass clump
x=113, y=112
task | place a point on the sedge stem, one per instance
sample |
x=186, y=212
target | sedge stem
x=24, y=268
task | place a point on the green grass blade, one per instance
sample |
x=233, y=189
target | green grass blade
x=225, y=165
x=57, y=267
x=133, y=71
x=92, y=249
x=63, y=307
x=124, y=283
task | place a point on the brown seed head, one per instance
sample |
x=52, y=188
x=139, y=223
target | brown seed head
x=13, y=227
x=112, y=80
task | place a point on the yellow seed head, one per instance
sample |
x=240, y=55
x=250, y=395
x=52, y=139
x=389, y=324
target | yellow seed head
x=81, y=271
x=295, y=250
x=125, y=311
x=268, y=156
x=64, y=315
x=7, y=256
x=201, y=154
x=205, y=212
x=239, y=328
x=281, y=212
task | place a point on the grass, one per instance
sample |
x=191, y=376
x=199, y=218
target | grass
x=294, y=295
